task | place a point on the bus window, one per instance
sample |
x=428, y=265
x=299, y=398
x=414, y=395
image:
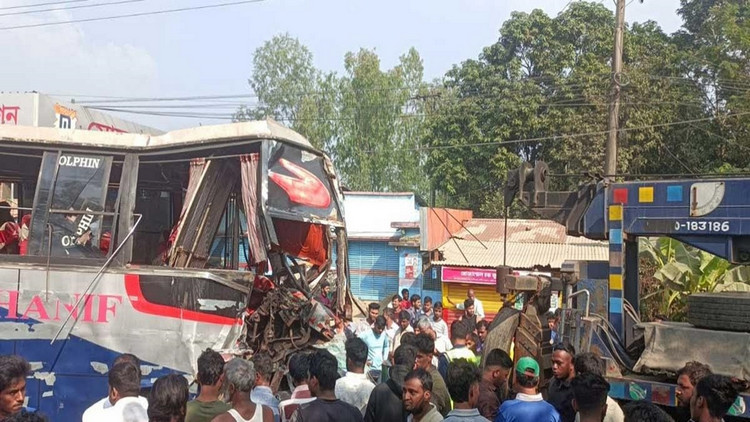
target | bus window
x=158, y=199
x=211, y=185
x=152, y=233
x=189, y=295
x=69, y=204
x=13, y=233
x=229, y=249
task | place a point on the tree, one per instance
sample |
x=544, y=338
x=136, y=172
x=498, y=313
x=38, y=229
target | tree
x=542, y=92
x=716, y=37
x=376, y=146
x=290, y=89
x=369, y=120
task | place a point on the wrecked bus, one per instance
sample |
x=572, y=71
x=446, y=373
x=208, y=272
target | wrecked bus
x=163, y=246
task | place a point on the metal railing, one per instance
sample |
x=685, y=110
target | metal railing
x=568, y=305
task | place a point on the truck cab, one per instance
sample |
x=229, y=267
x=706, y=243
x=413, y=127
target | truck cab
x=601, y=299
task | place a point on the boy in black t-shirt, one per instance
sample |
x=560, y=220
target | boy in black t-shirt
x=322, y=384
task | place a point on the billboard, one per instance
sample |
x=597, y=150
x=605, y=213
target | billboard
x=39, y=110
x=486, y=276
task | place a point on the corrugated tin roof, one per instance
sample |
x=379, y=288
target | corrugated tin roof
x=531, y=244
x=522, y=231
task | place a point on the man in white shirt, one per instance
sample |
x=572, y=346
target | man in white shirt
x=478, y=308
x=438, y=323
x=424, y=325
x=125, y=404
x=364, y=325
x=404, y=322
x=391, y=326
x=354, y=387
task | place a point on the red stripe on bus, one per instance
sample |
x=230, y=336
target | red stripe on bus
x=140, y=304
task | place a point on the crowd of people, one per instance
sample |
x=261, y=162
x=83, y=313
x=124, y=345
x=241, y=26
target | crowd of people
x=404, y=365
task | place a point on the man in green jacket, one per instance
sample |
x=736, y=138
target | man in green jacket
x=425, y=350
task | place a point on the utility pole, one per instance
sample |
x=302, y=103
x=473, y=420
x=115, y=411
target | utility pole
x=610, y=150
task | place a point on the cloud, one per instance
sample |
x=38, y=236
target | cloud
x=63, y=59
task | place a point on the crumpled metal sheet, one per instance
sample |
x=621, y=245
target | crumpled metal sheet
x=669, y=345
x=286, y=322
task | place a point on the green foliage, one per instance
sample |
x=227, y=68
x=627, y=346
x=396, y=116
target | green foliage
x=715, y=39
x=379, y=126
x=549, y=77
x=369, y=120
x=679, y=271
x=283, y=75
x=541, y=91
x=546, y=77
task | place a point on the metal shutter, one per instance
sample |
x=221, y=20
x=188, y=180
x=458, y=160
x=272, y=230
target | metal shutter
x=374, y=269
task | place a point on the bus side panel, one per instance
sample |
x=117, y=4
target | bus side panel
x=34, y=394
x=8, y=285
x=124, y=313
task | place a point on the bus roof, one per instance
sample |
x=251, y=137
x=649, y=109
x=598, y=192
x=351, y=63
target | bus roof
x=200, y=136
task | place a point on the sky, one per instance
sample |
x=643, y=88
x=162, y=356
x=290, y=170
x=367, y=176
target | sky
x=209, y=51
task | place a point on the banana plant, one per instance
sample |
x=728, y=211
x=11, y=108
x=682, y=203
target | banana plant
x=682, y=270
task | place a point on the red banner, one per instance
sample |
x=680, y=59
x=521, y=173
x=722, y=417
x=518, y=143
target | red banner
x=469, y=275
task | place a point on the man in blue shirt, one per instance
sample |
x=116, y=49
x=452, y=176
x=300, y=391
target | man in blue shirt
x=553, y=321
x=528, y=406
x=262, y=393
x=377, y=347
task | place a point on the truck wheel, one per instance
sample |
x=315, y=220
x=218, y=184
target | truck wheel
x=720, y=311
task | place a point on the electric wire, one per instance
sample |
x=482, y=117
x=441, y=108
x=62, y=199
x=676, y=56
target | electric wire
x=132, y=15
x=84, y=6
x=577, y=135
x=41, y=4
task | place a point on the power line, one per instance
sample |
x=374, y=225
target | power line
x=84, y=6
x=217, y=116
x=115, y=99
x=41, y=4
x=575, y=135
x=160, y=99
x=680, y=162
x=132, y=15
x=723, y=138
x=184, y=110
x=436, y=102
x=181, y=110
x=105, y=100
x=518, y=141
x=234, y=106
